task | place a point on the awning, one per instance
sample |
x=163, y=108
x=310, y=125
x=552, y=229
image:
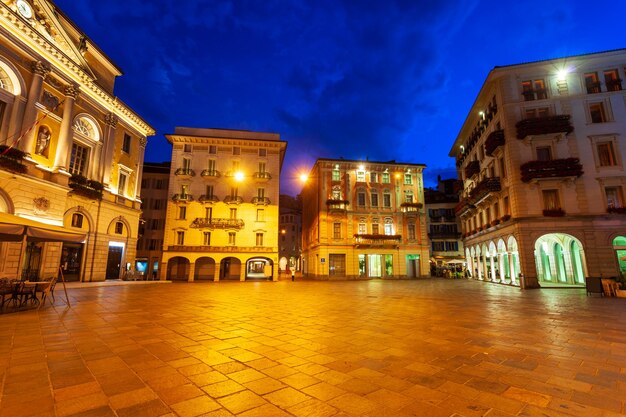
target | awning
x=13, y=228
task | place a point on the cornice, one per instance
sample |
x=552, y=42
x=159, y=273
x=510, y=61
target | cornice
x=61, y=62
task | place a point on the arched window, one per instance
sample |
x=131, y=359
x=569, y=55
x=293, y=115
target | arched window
x=86, y=127
x=5, y=81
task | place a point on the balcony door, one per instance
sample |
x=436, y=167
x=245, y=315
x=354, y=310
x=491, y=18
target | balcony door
x=374, y=266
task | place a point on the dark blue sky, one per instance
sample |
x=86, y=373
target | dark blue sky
x=376, y=79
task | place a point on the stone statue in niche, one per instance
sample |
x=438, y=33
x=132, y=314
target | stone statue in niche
x=43, y=140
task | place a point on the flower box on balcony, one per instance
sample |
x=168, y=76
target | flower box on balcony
x=484, y=188
x=544, y=125
x=554, y=212
x=617, y=210
x=80, y=185
x=410, y=207
x=11, y=159
x=554, y=168
x=505, y=218
x=495, y=222
x=472, y=169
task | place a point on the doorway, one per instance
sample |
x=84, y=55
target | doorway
x=71, y=260
x=32, y=261
x=114, y=261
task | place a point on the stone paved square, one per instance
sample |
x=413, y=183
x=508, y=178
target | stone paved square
x=370, y=348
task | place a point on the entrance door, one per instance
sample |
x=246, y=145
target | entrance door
x=114, y=262
x=32, y=260
x=375, y=267
x=71, y=259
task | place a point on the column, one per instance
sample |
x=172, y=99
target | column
x=192, y=272
x=163, y=271
x=142, y=149
x=479, y=274
x=108, y=147
x=40, y=71
x=64, y=143
x=216, y=275
x=512, y=269
x=94, y=168
x=242, y=271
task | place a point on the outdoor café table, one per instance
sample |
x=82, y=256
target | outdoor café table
x=34, y=287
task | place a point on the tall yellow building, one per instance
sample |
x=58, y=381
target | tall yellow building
x=71, y=155
x=364, y=219
x=222, y=212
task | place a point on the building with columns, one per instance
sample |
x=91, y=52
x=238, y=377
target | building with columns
x=70, y=151
x=364, y=219
x=222, y=210
x=542, y=159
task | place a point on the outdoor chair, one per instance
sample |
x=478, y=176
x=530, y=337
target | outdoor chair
x=48, y=289
x=6, y=290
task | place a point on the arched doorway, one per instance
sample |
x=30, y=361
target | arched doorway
x=178, y=269
x=559, y=259
x=503, y=262
x=619, y=246
x=230, y=269
x=259, y=268
x=514, y=266
x=205, y=269
x=493, y=273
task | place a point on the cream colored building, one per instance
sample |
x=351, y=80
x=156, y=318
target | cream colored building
x=541, y=154
x=71, y=154
x=364, y=219
x=222, y=212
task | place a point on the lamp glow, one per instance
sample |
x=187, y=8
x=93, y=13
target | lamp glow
x=304, y=177
x=561, y=75
x=239, y=176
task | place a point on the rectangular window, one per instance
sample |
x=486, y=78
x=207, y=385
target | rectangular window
x=612, y=80
x=537, y=113
x=234, y=191
x=208, y=213
x=606, y=154
x=209, y=191
x=78, y=159
x=534, y=90
x=236, y=150
x=232, y=238
x=260, y=192
x=235, y=165
x=592, y=83
x=373, y=177
x=157, y=204
x=336, y=230
x=551, y=199
x=262, y=152
x=259, y=239
x=375, y=229
x=262, y=167
x=182, y=213
x=159, y=184
x=388, y=229
x=613, y=197
x=360, y=198
x=502, y=168
x=77, y=220
x=362, y=229
x=233, y=213
x=336, y=175
x=597, y=113
x=206, y=238
x=408, y=198
x=506, y=205
x=180, y=238
x=212, y=149
x=121, y=183
x=126, y=143
x=336, y=194
x=211, y=165
x=374, y=198
x=360, y=176
x=411, y=230
x=408, y=179
x=544, y=153
x=386, y=178
x=186, y=164
x=386, y=200
x=153, y=244
x=260, y=215
x=145, y=183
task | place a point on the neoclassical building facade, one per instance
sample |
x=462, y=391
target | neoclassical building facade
x=541, y=155
x=70, y=151
x=222, y=209
x=364, y=220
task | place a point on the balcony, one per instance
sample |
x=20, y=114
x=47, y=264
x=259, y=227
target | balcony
x=555, y=168
x=484, y=189
x=182, y=197
x=494, y=141
x=210, y=174
x=472, y=169
x=463, y=207
x=333, y=204
x=593, y=87
x=208, y=199
x=614, y=85
x=261, y=201
x=86, y=188
x=444, y=235
x=184, y=172
x=363, y=241
x=262, y=176
x=556, y=212
x=217, y=223
x=11, y=160
x=233, y=199
x=544, y=125
x=411, y=207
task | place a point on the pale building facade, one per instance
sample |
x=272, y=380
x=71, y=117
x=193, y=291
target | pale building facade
x=154, y=190
x=222, y=211
x=364, y=219
x=541, y=155
x=71, y=157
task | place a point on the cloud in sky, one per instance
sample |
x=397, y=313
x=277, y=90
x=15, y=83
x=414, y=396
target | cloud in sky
x=383, y=80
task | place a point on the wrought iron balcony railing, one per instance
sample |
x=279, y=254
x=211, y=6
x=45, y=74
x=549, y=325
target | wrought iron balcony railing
x=554, y=168
x=185, y=172
x=472, y=169
x=233, y=199
x=484, y=188
x=544, y=125
x=376, y=240
x=263, y=176
x=210, y=173
x=182, y=197
x=333, y=204
x=208, y=198
x=217, y=223
x=261, y=200
x=494, y=141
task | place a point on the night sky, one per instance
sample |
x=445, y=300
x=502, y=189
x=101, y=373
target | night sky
x=355, y=79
